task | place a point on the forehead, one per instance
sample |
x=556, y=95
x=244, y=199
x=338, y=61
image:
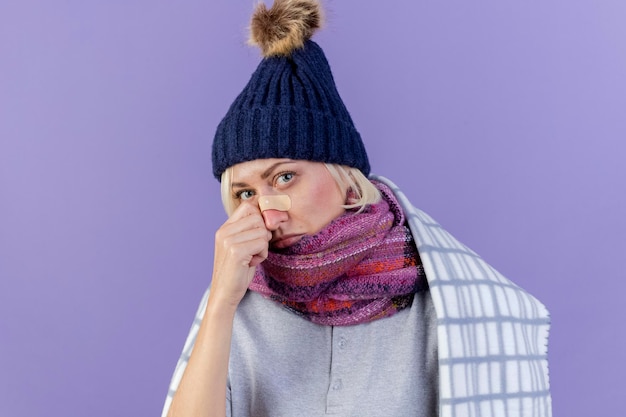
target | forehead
x=259, y=168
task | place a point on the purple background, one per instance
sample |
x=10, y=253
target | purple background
x=505, y=120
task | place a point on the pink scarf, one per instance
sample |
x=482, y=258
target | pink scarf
x=359, y=268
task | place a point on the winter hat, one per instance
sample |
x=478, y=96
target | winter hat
x=290, y=108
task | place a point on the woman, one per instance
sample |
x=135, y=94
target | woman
x=331, y=293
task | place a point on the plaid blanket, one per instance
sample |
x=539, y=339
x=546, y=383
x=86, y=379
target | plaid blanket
x=492, y=335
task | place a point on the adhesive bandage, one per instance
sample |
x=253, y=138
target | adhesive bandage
x=275, y=202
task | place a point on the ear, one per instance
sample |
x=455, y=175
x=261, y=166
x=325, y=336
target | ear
x=351, y=196
x=354, y=193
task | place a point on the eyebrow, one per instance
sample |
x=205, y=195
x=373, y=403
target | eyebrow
x=264, y=175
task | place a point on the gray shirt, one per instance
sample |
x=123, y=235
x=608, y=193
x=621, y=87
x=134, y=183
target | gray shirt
x=284, y=365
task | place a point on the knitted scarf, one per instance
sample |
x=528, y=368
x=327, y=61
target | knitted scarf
x=361, y=267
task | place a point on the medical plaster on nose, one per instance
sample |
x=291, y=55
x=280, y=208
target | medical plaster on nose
x=280, y=202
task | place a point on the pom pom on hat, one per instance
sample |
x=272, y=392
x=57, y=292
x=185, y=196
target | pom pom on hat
x=285, y=26
x=290, y=108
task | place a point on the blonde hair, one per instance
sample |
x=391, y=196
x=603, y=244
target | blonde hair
x=361, y=191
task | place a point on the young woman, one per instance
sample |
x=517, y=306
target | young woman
x=331, y=293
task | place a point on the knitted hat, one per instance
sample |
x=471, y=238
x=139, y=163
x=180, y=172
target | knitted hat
x=290, y=108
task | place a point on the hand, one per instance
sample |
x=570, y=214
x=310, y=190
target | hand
x=240, y=245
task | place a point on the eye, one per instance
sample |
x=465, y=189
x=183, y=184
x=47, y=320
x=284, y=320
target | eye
x=284, y=178
x=244, y=195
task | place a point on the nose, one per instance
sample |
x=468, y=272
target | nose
x=274, y=209
x=273, y=218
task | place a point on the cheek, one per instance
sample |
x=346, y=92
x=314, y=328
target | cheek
x=325, y=201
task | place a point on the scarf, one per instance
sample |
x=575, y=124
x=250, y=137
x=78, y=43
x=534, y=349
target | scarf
x=361, y=267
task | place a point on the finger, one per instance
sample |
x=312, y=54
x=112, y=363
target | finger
x=259, y=257
x=245, y=224
x=248, y=252
x=246, y=235
x=245, y=209
x=242, y=246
